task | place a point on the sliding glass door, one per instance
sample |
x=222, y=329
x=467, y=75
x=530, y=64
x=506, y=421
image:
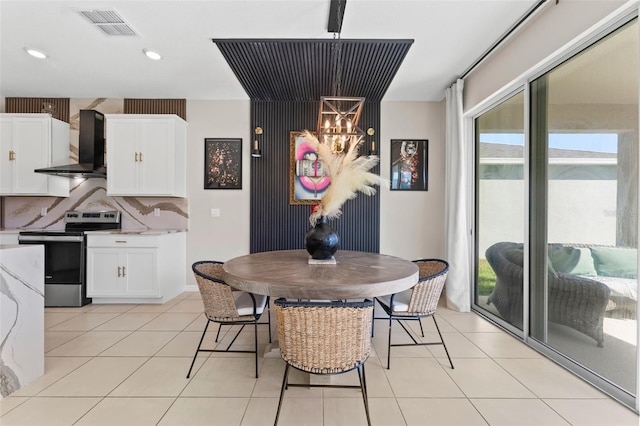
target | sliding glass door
x=557, y=217
x=585, y=135
x=500, y=209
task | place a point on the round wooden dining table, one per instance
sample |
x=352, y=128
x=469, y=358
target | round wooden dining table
x=287, y=273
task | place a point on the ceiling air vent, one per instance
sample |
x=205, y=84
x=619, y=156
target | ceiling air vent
x=109, y=22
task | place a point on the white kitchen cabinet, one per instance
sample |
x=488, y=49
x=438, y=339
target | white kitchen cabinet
x=135, y=268
x=146, y=155
x=29, y=142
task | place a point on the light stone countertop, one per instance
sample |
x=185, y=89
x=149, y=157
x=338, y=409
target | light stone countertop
x=106, y=231
x=21, y=315
x=135, y=231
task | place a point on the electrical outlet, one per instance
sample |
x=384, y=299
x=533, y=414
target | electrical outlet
x=215, y=213
x=43, y=211
x=156, y=212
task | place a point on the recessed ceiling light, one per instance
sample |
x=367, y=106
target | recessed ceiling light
x=152, y=54
x=36, y=53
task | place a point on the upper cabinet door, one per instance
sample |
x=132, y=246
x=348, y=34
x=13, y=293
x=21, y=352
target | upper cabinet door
x=29, y=142
x=146, y=155
x=32, y=145
x=6, y=155
x=157, y=147
x=122, y=140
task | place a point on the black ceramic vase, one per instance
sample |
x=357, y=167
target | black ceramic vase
x=321, y=241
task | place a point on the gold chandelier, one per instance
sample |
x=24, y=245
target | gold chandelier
x=338, y=121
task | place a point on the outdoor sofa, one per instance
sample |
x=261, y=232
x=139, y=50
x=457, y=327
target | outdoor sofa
x=585, y=284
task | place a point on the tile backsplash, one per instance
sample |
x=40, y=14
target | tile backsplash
x=91, y=194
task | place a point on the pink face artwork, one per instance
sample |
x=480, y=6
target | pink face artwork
x=306, y=152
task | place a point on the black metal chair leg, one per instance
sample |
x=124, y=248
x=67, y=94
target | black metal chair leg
x=389, y=346
x=198, y=350
x=255, y=340
x=218, y=333
x=442, y=340
x=421, y=329
x=269, y=319
x=373, y=316
x=284, y=386
x=363, y=388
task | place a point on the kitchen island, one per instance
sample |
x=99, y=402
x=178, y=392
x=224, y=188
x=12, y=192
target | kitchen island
x=21, y=316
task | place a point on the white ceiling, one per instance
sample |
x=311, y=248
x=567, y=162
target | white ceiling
x=85, y=63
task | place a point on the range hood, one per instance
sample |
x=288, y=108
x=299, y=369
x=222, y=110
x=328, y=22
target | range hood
x=90, y=150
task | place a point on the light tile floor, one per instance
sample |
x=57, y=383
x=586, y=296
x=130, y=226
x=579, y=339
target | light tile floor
x=126, y=365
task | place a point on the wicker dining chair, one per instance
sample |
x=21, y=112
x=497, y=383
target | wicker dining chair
x=418, y=302
x=324, y=337
x=226, y=306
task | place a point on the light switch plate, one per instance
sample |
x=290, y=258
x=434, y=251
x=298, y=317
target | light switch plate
x=156, y=212
x=215, y=213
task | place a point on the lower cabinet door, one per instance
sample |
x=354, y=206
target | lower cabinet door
x=142, y=272
x=104, y=272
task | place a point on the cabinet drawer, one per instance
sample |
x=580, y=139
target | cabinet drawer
x=122, y=240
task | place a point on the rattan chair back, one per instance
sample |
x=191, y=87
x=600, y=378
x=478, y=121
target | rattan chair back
x=217, y=296
x=432, y=274
x=324, y=337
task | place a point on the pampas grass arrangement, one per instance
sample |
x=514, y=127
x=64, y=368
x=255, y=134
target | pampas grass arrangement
x=349, y=175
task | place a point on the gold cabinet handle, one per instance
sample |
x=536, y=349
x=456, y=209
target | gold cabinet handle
x=119, y=272
x=12, y=155
x=141, y=157
x=124, y=271
x=136, y=157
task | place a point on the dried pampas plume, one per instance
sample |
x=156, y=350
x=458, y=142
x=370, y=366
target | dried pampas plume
x=349, y=175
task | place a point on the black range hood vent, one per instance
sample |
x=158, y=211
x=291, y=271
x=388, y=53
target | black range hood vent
x=90, y=150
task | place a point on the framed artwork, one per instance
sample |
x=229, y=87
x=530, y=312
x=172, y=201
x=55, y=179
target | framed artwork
x=222, y=163
x=409, y=162
x=307, y=180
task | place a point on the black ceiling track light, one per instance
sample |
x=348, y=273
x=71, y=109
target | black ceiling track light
x=336, y=15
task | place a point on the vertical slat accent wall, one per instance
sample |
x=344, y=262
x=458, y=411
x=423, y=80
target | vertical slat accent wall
x=35, y=105
x=156, y=106
x=277, y=225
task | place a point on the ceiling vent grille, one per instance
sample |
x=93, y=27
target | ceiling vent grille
x=109, y=22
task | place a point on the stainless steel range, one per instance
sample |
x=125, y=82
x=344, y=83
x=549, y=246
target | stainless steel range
x=65, y=254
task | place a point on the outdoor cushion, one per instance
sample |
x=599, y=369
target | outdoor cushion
x=572, y=260
x=623, y=288
x=615, y=261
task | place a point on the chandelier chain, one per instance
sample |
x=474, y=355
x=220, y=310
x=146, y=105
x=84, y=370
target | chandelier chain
x=337, y=57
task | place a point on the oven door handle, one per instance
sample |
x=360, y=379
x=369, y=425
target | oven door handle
x=53, y=238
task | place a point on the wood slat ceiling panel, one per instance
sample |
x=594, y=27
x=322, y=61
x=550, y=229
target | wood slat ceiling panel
x=156, y=106
x=37, y=105
x=302, y=70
